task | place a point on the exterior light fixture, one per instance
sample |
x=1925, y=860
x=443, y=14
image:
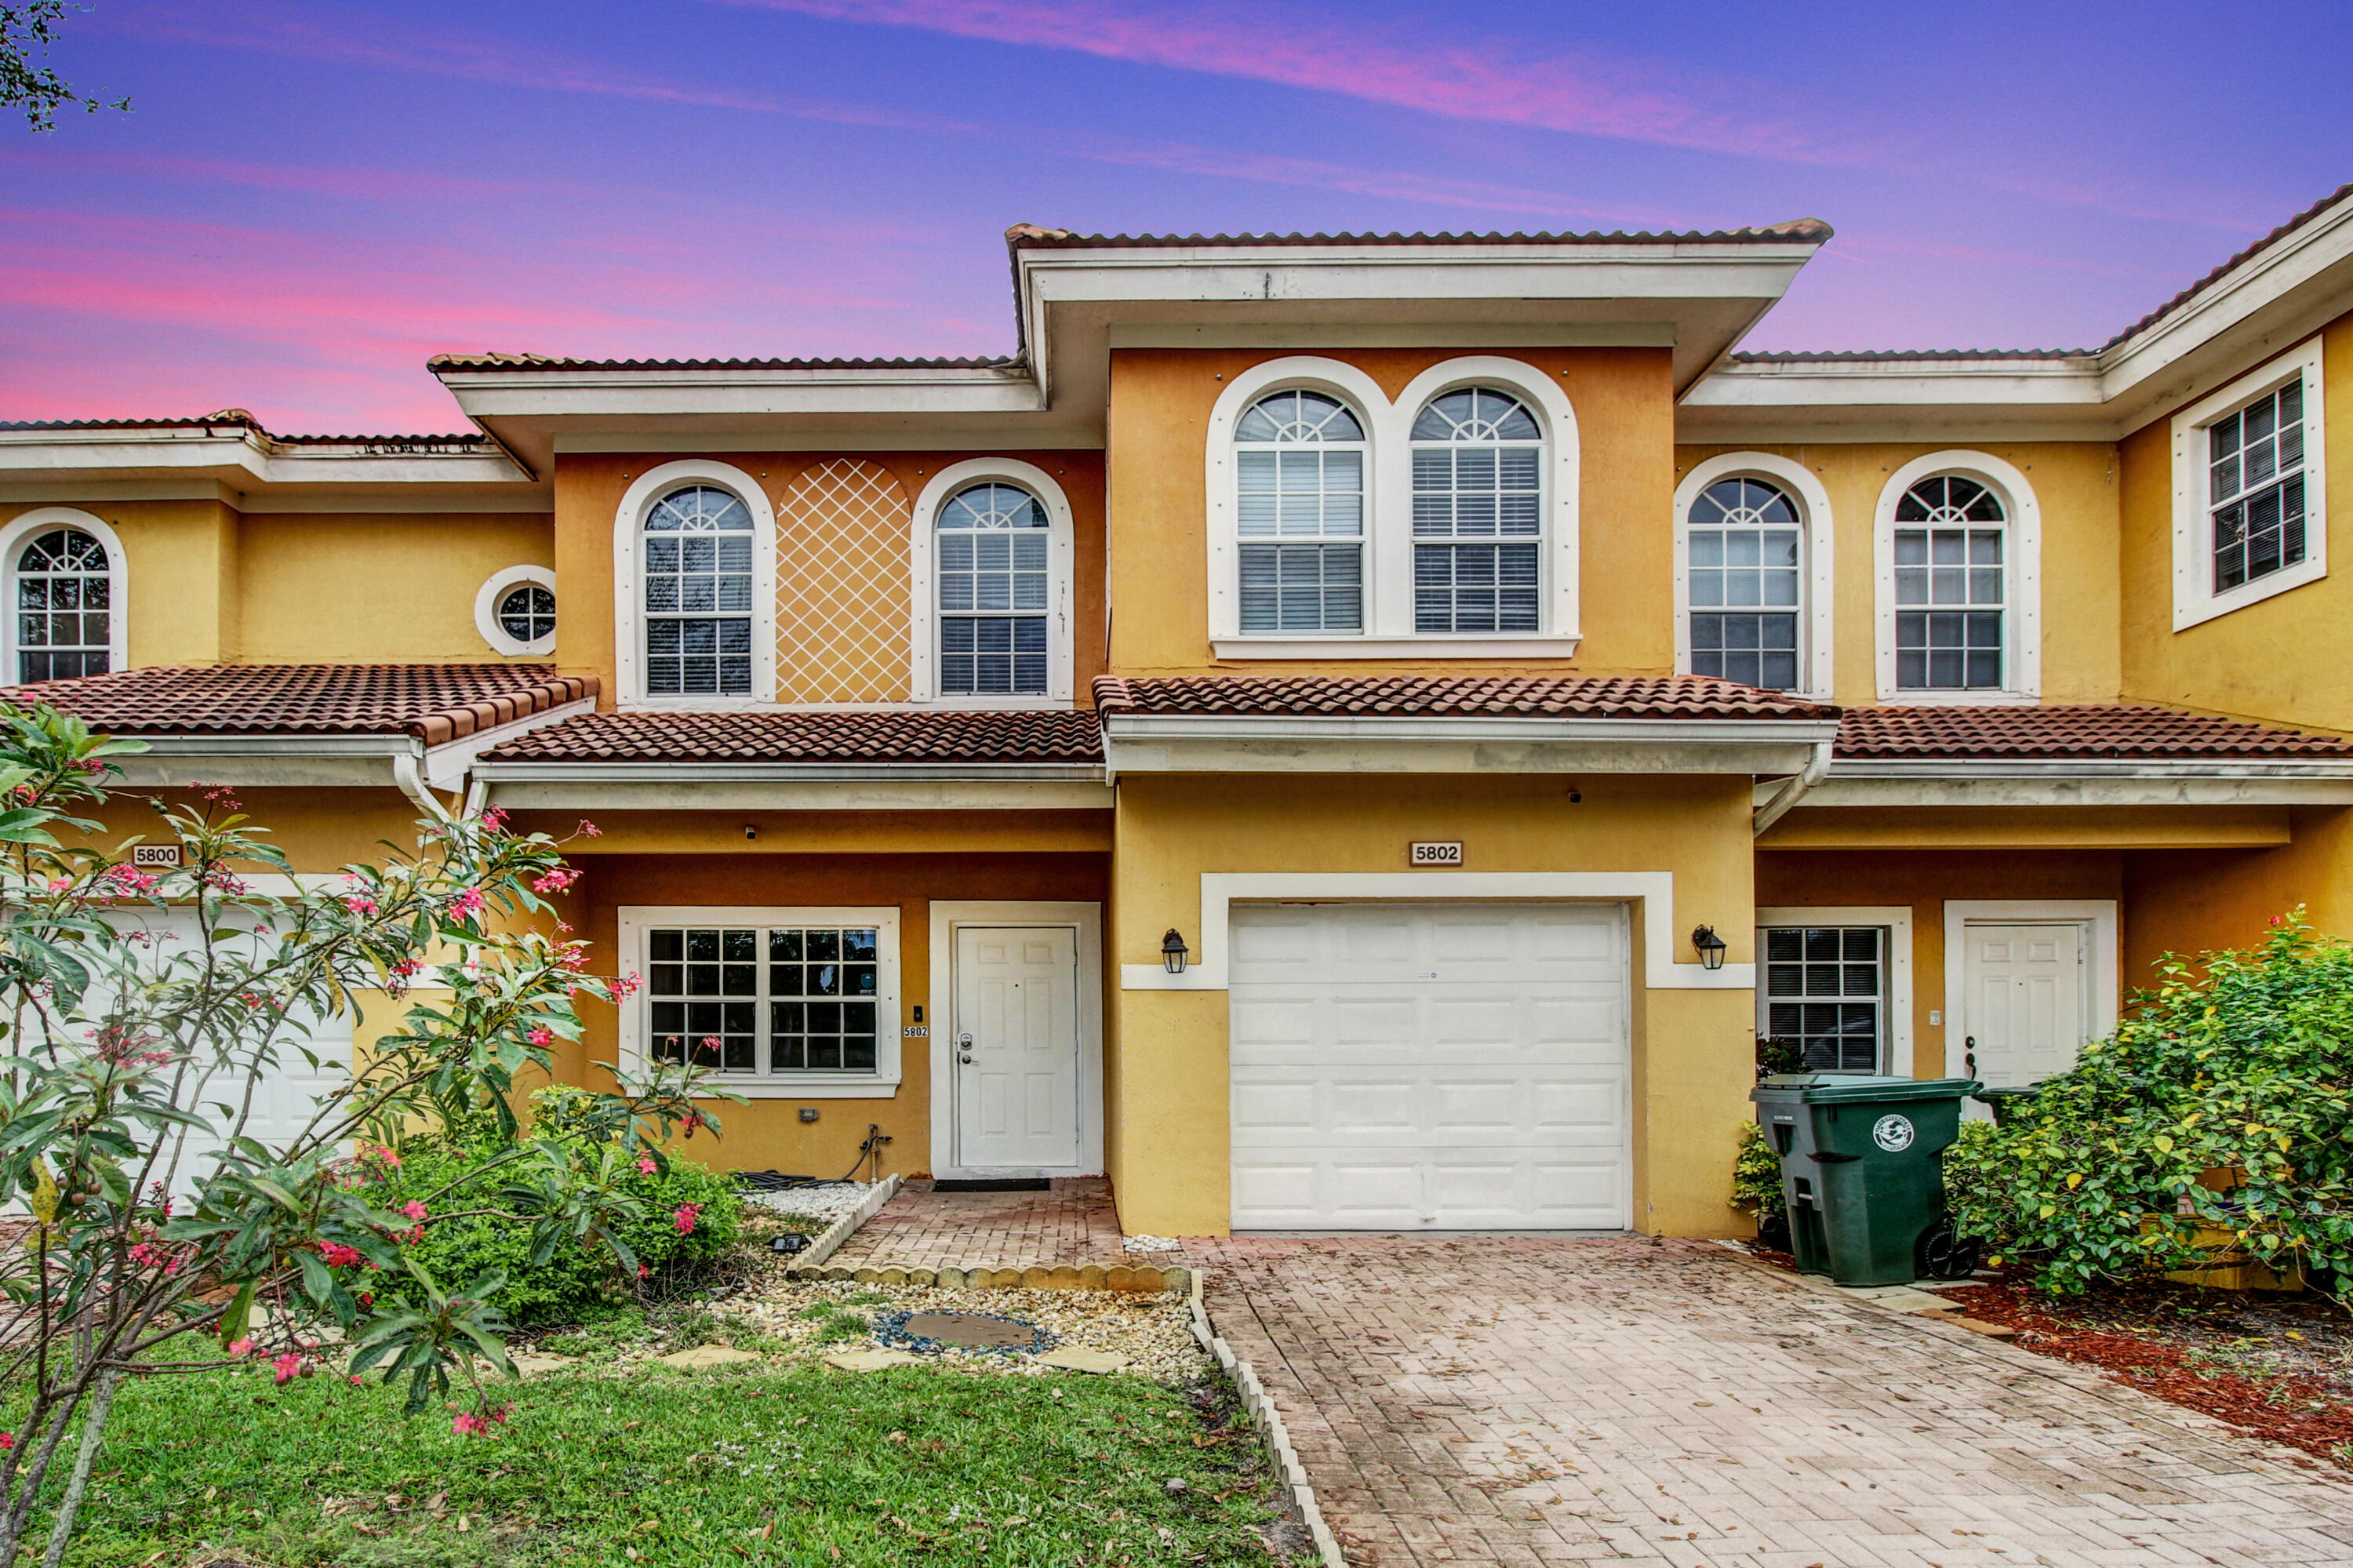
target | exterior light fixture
x=1172, y=952
x=1710, y=945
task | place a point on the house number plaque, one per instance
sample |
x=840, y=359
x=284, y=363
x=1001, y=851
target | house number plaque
x=1435, y=854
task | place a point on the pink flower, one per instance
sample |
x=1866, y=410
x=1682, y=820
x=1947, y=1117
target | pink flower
x=643, y=1271
x=359, y=904
x=645, y=1164
x=540, y=1037
x=59, y=883
x=467, y=1425
x=627, y=986
x=355, y=1380
x=385, y=1157
x=466, y=904
x=413, y=1209
x=7, y=1441
x=496, y=817
x=685, y=1217
x=588, y=830
x=287, y=1365
x=338, y=1255
x=240, y=1347
x=556, y=881
x=129, y=883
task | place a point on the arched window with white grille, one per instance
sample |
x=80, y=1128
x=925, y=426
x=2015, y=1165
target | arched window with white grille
x=994, y=571
x=64, y=591
x=1477, y=513
x=1743, y=543
x=1952, y=587
x=1299, y=515
x=697, y=574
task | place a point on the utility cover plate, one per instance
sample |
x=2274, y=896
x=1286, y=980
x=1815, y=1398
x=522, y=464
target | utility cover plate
x=973, y=1330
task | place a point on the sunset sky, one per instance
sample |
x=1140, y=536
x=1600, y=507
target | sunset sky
x=312, y=195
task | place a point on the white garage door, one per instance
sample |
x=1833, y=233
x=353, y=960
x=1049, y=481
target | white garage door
x=1439, y=1067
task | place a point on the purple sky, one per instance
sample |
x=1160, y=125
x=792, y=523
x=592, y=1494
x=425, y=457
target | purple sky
x=312, y=195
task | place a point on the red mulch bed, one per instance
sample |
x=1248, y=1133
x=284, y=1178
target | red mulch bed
x=2176, y=1342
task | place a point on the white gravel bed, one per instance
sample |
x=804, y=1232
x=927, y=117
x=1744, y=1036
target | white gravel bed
x=1152, y=1331
x=827, y=1202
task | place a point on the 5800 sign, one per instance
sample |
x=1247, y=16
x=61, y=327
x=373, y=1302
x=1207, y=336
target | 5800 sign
x=1434, y=854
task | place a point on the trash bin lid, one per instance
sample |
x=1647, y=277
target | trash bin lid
x=1833, y=1088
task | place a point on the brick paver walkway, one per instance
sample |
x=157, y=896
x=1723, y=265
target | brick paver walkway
x=1536, y=1401
x=1074, y=1224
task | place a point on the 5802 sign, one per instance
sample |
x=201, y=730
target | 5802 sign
x=1434, y=854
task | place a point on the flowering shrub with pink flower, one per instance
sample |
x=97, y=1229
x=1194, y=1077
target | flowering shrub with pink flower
x=171, y=1229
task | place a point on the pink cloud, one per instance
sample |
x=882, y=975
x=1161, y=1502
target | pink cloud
x=1477, y=80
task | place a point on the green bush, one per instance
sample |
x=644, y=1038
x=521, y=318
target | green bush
x=1756, y=1173
x=580, y=1280
x=2238, y=1069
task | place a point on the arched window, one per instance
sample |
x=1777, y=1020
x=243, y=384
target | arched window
x=1744, y=543
x=698, y=589
x=1952, y=587
x=65, y=606
x=1298, y=515
x=996, y=581
x=1478, y=499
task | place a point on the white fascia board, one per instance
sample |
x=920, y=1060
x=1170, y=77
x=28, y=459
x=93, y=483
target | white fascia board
x=243, y=460
x=1403, y=273
x=535, y=394
x=789, y=772
x=801, y=795
x=2264, y=283
x=1225, y=744
x=268, y=761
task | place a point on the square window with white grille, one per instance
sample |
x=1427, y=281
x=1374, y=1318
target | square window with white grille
x=1825, y=995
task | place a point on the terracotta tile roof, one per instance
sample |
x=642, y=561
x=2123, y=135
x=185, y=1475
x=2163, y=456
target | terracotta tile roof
x=2231, y=266
x=528, y=362
x=435, y=703
x=1659, y=697
x=2088, y=732
x=1031, y=237
x=901, y=734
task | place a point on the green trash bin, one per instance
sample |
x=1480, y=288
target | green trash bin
x=2004, y=1099
x=1860, y=1170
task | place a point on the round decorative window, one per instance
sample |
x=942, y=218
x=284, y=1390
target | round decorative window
x=527, y=613
x=515, y=612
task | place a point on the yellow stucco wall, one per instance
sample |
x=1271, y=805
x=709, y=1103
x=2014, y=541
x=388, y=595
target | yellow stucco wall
x=1169, y=1126
x=588, y=493
x=2283, y=659
x=377, y=589
x=2076, y=495
x=1161, y=401
x=2193, y=903
x=181, y=572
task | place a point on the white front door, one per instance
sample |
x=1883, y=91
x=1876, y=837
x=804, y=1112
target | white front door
x=1429, y=1067
x=2024, y=1016
x=1016, y=1048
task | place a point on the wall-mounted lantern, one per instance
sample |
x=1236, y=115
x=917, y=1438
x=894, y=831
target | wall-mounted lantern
x=1710, y=945
x=1173, y=951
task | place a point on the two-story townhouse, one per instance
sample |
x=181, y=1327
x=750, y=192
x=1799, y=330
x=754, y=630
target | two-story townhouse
x=1334, y=732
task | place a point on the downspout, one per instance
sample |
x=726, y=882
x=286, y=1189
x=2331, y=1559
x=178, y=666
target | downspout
x=412, y=784
x=1793, y=789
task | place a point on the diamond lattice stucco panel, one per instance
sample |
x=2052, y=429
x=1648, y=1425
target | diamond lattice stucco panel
x=842, y=586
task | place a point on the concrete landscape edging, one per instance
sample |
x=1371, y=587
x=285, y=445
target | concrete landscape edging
x=829, y=1239
x=1269, y=1421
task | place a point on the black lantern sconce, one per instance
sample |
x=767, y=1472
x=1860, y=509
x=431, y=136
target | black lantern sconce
x=1173, y=951
x=1710, y=945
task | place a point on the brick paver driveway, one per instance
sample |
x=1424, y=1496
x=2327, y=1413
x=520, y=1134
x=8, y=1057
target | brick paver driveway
x=1541, y=1401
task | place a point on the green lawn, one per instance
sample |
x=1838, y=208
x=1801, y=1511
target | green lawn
x=786, y=1466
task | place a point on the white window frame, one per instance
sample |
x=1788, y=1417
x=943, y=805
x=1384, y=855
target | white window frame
x=486, y=610
x=1388, y=631
x=1817, y=657
x=628, y=592
x=2022, y=561
x=638, y=920
x=40, y=520
x=1895, y=919
x=2194, y=598
x=1062, y=560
